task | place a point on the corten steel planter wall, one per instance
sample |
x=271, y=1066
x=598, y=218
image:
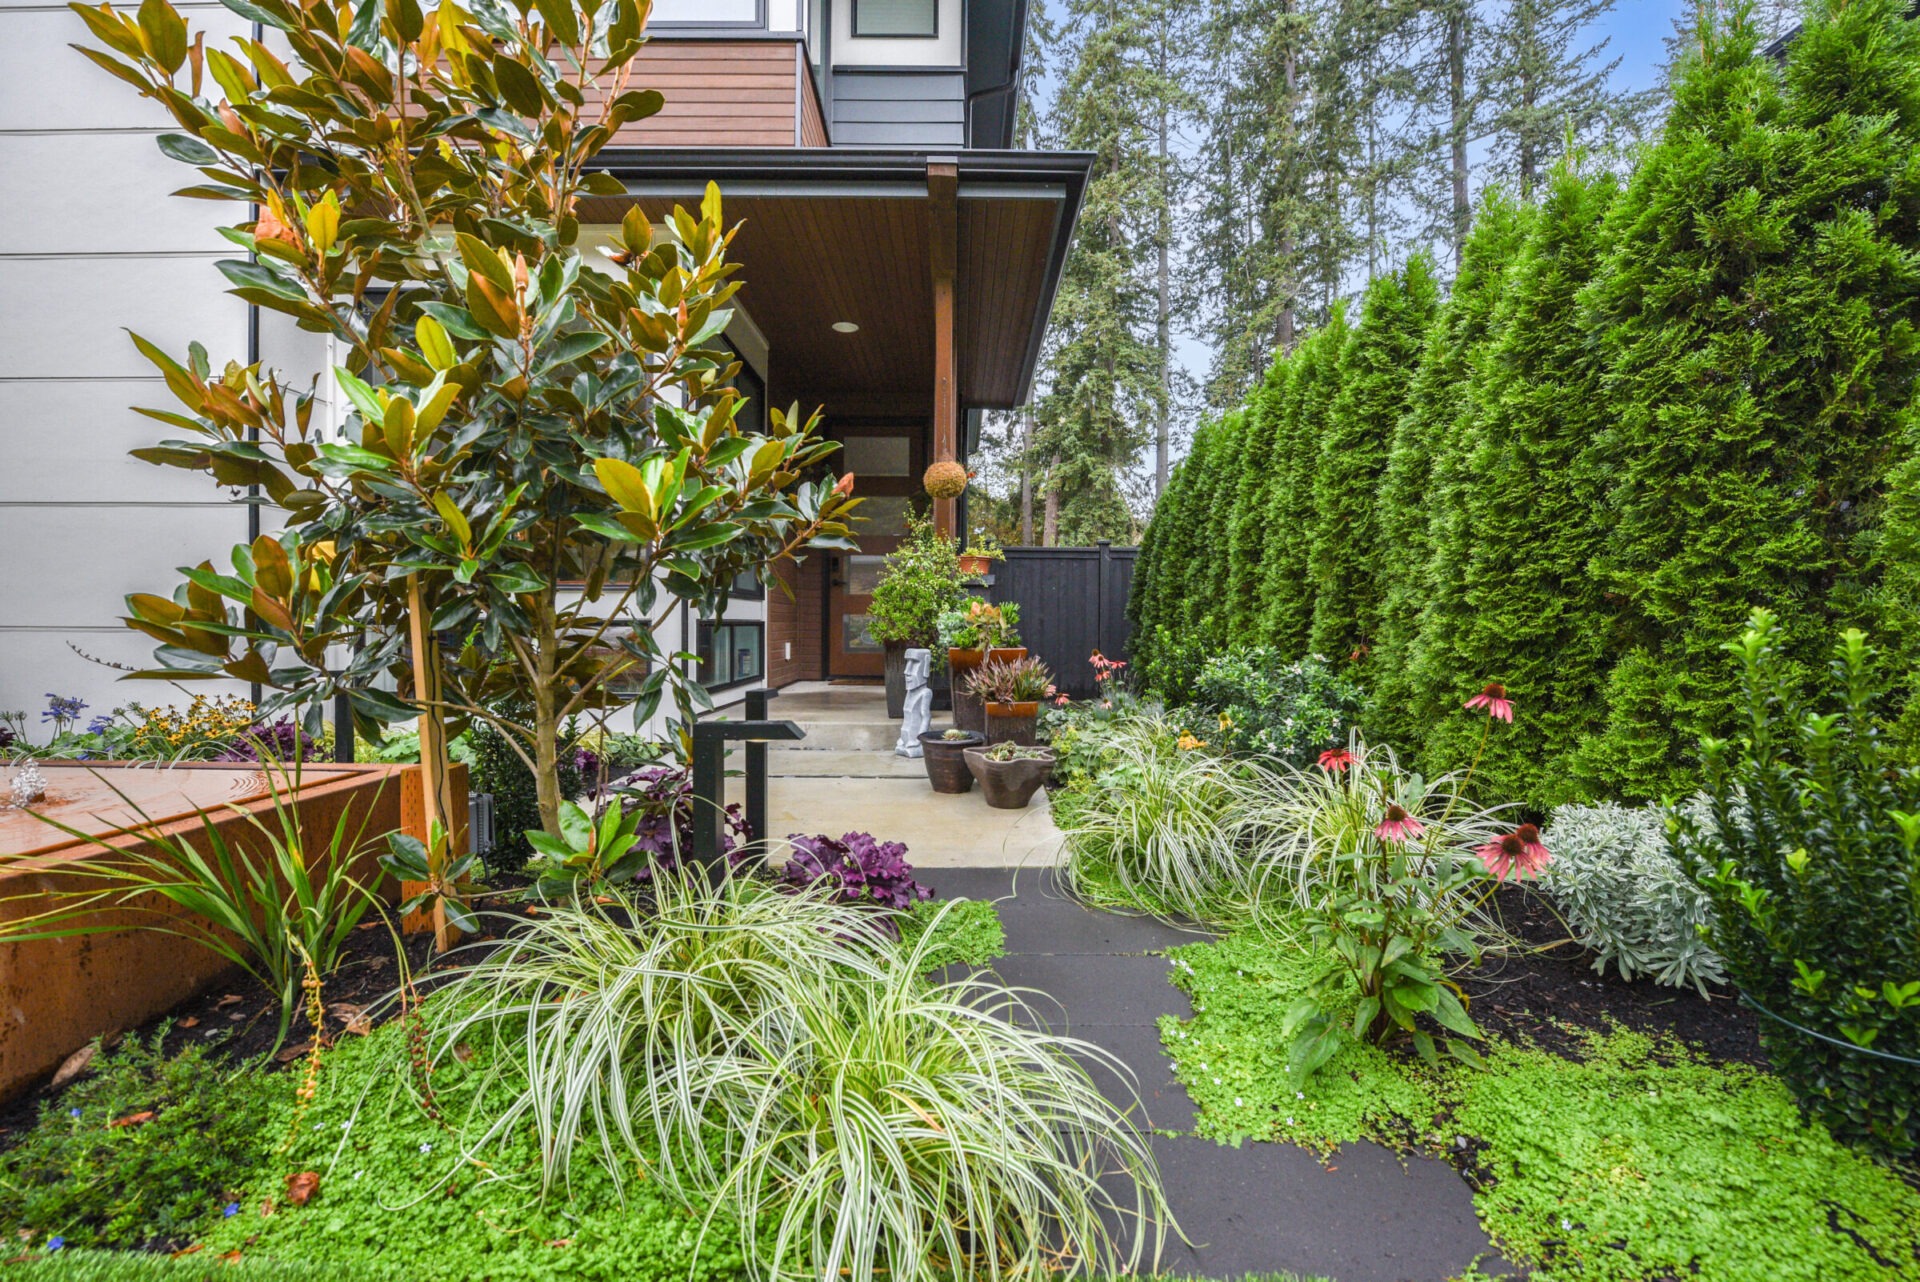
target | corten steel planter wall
x=1012, y=721
x=1009, y=785
x=946, y=761
x=58, y=994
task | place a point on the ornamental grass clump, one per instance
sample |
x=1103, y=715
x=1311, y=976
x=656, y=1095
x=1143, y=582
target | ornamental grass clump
x=1812, y=864
x=777, y=1059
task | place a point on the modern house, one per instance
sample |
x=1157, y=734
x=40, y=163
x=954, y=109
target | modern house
x=900, y=260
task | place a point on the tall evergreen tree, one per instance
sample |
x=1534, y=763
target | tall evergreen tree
x=1545, y=85
x=1306, y=401
x=1758, y=312
x=1105, y=378
x=1422, y=498
x=1532, y=616
x=1375, y=371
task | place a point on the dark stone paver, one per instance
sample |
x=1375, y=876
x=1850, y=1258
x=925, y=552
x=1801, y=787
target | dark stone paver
x=1368, y=1215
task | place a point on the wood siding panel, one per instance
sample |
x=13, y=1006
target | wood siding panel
x=723, y=93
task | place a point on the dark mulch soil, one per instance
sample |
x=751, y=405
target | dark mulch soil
x=236, y=1014
x=1520, y=996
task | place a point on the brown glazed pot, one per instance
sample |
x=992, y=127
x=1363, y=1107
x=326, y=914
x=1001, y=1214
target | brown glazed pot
x=966, y=708
x=1007, y=654
x=975, y=566
x=946, y=760
x=1008, y=785
x=1015, y=721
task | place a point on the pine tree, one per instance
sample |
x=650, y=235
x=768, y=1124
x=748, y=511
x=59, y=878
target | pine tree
x=1375, y=369
x=1259, y=472
x=1306, y=403
x=1423, y=490
x=1532, y=616
x=1759, y=313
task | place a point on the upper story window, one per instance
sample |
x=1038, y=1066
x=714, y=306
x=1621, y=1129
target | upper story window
x=709, y=13
x=896, y=17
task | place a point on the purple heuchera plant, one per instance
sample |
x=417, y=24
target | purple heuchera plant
x=859, y=869
x=663, y=796
x=278, y=741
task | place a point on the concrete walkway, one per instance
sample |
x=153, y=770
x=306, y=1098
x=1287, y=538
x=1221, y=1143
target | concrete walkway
x=1367, y=1215
x=844, y=777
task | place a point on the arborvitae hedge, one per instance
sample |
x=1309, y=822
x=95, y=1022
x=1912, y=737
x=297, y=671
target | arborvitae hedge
x=1423, y=497
x=1376, y=372
x=1583, y=491
x=1286, y=587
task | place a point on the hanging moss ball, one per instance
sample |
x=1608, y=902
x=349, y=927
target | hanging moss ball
x=946, y=479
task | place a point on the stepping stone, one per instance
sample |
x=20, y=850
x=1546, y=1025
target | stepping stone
x=1094, y=990
x=1043, y=926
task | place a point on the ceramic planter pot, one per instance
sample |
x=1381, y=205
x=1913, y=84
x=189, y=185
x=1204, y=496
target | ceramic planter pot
x=975, y=566
x=1009, y=785
x=1015, y=721
x=1007, y=654
x=896, y=674
x=966, y=708
x=946, y=760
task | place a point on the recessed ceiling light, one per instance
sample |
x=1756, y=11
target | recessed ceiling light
x=845, y=327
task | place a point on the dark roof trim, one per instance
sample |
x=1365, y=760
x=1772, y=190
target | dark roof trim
x=861, y=171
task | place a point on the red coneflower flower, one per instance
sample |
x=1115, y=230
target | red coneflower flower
x=1398, y=826
x=1335, y=759
x=1513, y=855
x=1494, y=699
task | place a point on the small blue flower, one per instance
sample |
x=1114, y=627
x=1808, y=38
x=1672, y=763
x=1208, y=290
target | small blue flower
x=73, y=1112
x=230, y=1210
x=56, y=1243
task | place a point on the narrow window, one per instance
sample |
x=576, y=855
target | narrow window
x=896, y=17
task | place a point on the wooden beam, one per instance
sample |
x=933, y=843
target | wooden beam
x=943, y=181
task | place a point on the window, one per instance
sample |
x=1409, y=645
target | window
x=732, y=654
x=748, y=587
x=708, y=13
x=896, y=17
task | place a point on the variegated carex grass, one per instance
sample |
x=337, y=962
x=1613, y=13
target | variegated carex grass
x=778, y=1061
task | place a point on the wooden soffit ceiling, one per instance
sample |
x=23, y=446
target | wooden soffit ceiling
x=809, y=259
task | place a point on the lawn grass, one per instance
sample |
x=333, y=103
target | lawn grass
x=1641, y=1160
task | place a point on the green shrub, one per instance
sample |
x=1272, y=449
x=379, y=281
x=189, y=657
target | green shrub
x=1812, y=864
x=1258, y=704
x=920, y=582
x=1625, y=895
x=499, y=772
x=85, y=1174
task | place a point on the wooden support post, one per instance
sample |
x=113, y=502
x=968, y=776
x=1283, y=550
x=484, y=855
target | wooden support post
x=433, y=760
x=943, y=180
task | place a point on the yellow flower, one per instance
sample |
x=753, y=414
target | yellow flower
x=1226, y=723
x=1188, y=743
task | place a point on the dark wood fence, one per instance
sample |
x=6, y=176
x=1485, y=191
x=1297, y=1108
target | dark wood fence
x=1073, y=601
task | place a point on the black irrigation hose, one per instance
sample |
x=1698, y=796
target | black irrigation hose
x=1845, y=1046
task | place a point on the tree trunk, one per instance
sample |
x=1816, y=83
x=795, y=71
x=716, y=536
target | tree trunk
x=1050, y=530
x=546, y=725
x=1163, y=310
x=1026, y=476
x=1457, y=96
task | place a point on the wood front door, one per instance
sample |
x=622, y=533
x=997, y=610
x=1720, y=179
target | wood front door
x=886, y=463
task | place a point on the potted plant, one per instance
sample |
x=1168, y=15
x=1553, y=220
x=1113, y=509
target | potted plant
x=1003, y=644
x=979, y=555
x=1010, y=773
x=965, y=634
x=1010, y=695
x=944, y=752
x=919, y=583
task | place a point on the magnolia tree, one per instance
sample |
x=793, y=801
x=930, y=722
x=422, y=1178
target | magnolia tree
x=540, y=457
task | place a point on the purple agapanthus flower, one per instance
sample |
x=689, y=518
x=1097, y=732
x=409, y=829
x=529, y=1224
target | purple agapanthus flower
x=857, y=868
x=59, y=709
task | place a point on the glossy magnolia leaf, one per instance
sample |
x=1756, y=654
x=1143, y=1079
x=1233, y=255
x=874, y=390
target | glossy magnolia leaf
x=702, y=537
x=186, y=150
x=435, y=345
x=458, y=321
x=164, y=33
x=518, y=86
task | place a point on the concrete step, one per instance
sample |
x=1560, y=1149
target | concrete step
x=803, y=762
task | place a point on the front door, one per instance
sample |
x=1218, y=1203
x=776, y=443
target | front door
x=886, y=465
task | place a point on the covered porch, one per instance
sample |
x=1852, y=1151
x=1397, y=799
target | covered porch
x=903, y=292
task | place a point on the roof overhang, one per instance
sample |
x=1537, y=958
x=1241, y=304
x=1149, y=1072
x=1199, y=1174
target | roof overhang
x=842, y=234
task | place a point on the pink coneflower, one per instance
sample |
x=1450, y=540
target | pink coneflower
x=1398, y=826
x=1494, y=699
x=1529, y=836
x=1060, y=701
x=1514, y=855
x=1335, y=760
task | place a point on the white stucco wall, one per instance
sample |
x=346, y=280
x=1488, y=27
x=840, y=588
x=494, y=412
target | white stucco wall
x=942, y=50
